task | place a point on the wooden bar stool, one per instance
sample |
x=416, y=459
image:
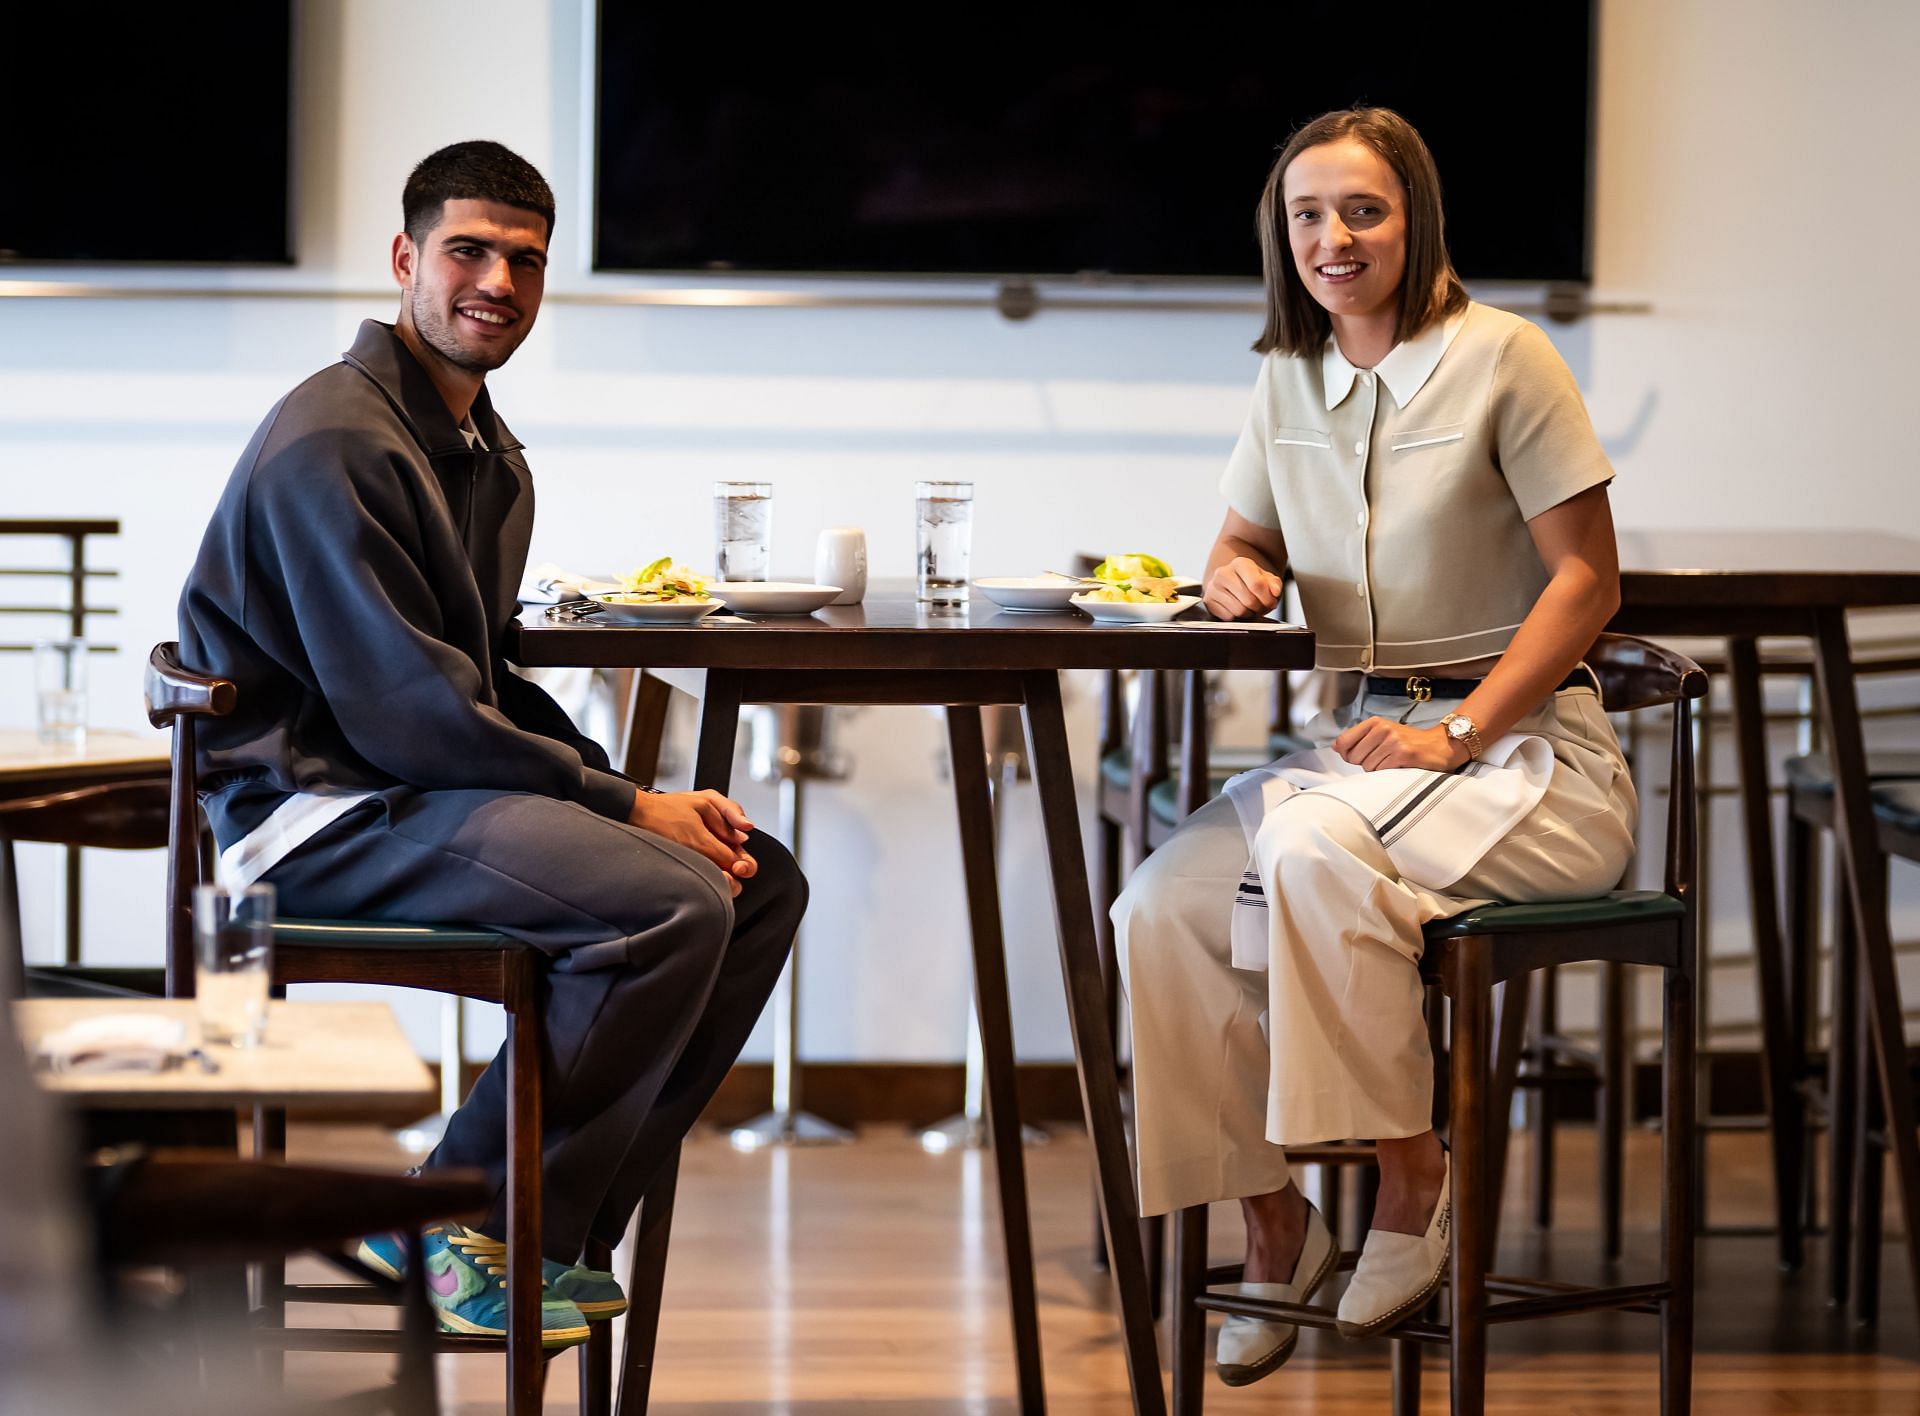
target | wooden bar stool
x=1854, y=1149
x=1465, y=956
x=472, y=963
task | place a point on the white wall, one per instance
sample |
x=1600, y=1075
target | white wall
x=1756, y=183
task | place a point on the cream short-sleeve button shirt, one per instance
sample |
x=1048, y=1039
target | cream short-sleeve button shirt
x=1404, y=491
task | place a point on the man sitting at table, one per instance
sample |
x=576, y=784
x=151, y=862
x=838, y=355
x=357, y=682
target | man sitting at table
x=356, y=582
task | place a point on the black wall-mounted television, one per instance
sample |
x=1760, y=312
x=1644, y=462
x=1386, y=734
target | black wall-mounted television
x=1043, y=140
x=147, y=133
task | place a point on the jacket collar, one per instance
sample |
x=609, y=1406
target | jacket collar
x=378, y=353
x=1405, y=370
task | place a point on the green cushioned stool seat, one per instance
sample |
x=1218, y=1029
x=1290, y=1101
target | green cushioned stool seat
x=1899, y=805
x=1116, y=768
x=378, y=934
x=1813, y=773
x=1621, y=907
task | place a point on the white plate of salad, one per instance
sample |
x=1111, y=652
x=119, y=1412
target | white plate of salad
x=1135, y=589
x=660, y=592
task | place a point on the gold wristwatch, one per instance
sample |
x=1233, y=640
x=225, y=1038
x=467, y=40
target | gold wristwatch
x=1461, y=729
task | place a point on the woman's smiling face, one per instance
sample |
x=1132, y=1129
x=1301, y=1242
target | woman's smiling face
x=1347, y=226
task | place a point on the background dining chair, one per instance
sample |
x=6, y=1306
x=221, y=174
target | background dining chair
x=1464, y=958
x=472, y=963
x=129, y=815
x=1849, y=1096
x=62, y=558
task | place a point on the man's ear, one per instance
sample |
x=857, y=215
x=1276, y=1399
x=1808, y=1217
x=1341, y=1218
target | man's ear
x=404, y=256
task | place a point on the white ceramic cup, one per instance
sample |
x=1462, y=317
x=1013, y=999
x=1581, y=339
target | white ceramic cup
x=841, y=559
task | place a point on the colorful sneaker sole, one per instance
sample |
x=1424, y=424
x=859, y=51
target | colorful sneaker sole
x=549, y=1337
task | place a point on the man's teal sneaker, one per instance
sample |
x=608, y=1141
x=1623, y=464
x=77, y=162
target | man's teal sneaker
x=595, y=1292
x=467, y=1282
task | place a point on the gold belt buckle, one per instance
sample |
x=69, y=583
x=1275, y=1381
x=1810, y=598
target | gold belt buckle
x=1419, y=690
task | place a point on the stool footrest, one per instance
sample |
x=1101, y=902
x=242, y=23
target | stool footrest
x=362, y=1294
x=359, y=1339
x=1538, y=1298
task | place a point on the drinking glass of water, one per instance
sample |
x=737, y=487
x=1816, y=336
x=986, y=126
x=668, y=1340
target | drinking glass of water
x=742, y=529
x=233, y=958
x=60, y=673
x=945, y=540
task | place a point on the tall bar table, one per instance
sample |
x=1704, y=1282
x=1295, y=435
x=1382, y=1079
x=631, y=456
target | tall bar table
x=1740, y=586
x=891, y=650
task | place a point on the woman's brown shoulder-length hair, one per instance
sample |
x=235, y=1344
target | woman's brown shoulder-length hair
x=1429, y=289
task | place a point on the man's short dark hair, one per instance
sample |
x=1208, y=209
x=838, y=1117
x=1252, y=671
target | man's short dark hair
x=475, y=171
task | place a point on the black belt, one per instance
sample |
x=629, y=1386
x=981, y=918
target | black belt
x=1419, y=688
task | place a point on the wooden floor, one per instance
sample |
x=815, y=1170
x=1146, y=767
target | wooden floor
x=867, y=1280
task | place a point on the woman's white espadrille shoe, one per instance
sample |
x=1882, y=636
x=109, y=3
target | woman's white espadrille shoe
x=1397, y=1273
x=1252, y=1347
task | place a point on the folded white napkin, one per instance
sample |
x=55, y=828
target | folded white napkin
x=548, y=584
x=116, y=1042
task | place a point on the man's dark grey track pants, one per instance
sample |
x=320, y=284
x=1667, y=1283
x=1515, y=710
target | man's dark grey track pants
x=658, y=977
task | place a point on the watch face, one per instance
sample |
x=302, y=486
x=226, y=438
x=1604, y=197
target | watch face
x=1460, y=727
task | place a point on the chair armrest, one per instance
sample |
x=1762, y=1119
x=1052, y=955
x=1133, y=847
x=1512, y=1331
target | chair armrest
x=172, y=689
x=1637, y=673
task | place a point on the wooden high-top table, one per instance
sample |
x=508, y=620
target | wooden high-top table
x=1740, y=586
x=29, y=766
x=890, y=650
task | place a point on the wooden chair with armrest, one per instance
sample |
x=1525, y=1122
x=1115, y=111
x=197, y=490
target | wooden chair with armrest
x=471, y=963
x=1464, y=958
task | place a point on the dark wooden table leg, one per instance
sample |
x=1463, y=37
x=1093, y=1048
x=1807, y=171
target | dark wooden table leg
x=1784, y=1066
x=968, y=747
x=719, y=728
x=1866, y=882
x=1092, y=1046
x=1869, y=1173
x=650, y=1235
x=1843, y=1113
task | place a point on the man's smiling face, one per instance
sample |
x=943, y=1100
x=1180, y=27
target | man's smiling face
x=473, y=283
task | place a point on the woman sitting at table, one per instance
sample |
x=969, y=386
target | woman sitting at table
x=1427, y=469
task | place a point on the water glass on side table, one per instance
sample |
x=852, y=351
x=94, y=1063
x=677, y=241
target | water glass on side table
x=233, y=962
x=60, y=678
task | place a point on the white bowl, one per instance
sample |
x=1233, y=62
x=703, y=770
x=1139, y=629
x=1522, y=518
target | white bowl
x=612, y=611
x=1135, y=612
x=1029, y=592
x=775, y=597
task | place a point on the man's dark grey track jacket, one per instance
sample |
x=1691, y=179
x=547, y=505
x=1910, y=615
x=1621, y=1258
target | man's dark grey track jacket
x=356, y=583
